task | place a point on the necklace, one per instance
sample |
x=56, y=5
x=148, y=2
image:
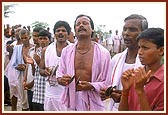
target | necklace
x=82, y=53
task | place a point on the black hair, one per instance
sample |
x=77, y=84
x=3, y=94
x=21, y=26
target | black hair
x=44, y=32
x=144, y=22
x=37, y=29
x=155, y=35
x=24, y=31
x=64, y=24
x=91, y=22
x=10, y=42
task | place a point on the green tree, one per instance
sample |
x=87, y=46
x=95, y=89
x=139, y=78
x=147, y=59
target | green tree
x=100, y=29
x=8, y=10
x=39, y=24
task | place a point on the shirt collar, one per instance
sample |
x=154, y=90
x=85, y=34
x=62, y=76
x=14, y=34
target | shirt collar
x=158, y=74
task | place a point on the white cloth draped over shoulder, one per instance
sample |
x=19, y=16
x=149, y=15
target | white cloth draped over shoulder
x=11, y=73
x=53, y=93
x=15, y=77
x=100, y=66
x=117, y=65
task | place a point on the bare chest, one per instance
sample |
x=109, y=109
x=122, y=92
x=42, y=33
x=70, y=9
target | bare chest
x=83, y=65
x=83, y=62
x=25, y=51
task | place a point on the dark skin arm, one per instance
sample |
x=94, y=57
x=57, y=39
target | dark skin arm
x=26, y=85
x=37, y=59
x=81, y=85
x=102, y=94
x=43, y=70
x=115, y=95
x=137, y=77
x=30, y=85
x=25, y=78
x=29, y=60
x=64, y=80
x=21, y=67
x=84, y=85
x=42, y=62
x=9, y=48
x=127, y=82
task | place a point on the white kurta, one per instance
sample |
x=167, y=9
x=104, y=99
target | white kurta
x=53, y=93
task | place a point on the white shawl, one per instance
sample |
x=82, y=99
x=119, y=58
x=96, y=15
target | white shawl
x=118, y=66
x=118, y=62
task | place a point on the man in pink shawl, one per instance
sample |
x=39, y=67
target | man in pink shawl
x=83, y=69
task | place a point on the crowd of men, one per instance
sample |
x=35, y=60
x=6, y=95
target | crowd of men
x=73, y=71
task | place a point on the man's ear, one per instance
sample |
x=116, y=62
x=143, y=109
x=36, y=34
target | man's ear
x=161, y=50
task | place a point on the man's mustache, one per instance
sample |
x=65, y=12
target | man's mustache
x=60, y=36
x=82, y=29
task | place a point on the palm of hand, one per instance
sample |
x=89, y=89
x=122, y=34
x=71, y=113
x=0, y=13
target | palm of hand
x=29, y=60
x=127, y=79
x=127, y=83
x=141, y=78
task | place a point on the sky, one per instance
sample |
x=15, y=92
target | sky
x=111, y=14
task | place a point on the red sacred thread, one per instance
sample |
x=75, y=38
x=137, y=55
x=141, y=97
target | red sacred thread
x=115, y=68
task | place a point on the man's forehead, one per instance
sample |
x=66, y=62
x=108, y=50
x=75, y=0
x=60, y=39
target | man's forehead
x=83, y=18
x=134, y=20
x=18, y=29
x=60, y=27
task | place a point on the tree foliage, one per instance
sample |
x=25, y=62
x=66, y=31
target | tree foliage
x=8, y=10
x=39, y=24
x=100, y=29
